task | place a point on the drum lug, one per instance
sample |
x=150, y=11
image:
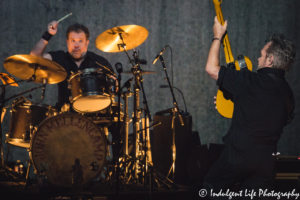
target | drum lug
x=28, y=111
x=23, y=137
x=7, y=138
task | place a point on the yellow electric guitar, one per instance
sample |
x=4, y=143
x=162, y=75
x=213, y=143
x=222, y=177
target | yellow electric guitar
x=224, y=106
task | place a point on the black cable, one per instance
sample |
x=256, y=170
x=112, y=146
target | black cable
x=166, y=86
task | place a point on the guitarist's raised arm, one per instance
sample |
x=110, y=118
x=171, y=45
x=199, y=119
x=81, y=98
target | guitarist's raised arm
x=213, y=61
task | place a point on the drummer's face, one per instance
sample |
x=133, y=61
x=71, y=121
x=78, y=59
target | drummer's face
x=77, y=44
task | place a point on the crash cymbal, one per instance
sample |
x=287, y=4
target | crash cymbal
x=141, y=72
x=8, y=79
x=132, y=35
x=23, y=67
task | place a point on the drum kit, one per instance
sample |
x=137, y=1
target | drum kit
x=55, y=139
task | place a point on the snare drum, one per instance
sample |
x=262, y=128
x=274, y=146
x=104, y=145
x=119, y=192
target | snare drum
x=60, y=140
x=25, y=117
x=90, y=89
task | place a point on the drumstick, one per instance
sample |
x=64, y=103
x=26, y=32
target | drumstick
x=62, y=19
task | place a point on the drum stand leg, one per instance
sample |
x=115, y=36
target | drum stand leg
x=27, y=173
x=106, y=134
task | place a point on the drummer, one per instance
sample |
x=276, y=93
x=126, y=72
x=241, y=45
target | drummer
x=76, y=58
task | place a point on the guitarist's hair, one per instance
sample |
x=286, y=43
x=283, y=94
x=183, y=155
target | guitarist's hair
x=283, y=51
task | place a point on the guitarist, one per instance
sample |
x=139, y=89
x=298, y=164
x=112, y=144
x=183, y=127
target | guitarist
x=263, y=105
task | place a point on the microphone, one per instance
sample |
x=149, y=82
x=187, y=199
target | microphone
x=119, y=67
x=158, y=55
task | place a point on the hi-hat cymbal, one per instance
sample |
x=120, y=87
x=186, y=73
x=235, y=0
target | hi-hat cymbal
x=8, y=79
x=23, y=67
x=132, y=35
x=140, y=71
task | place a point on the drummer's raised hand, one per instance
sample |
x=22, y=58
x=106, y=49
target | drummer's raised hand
x=52, y=27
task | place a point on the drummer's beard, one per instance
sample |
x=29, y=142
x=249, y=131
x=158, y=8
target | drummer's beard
x=83, y=55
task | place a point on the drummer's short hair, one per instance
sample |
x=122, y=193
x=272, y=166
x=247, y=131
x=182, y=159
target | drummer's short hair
x=78, y=28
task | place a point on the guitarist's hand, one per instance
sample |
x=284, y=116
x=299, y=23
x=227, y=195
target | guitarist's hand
x=218, y=29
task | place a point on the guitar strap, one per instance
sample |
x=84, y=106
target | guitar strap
x=242, y=62
x=290, y=115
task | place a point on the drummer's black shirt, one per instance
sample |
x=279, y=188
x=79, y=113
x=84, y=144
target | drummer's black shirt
x=66, y=61
x=260, y=112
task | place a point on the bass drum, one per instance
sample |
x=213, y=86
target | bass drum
x=61, y=140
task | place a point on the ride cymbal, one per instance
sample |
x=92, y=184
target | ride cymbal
x=24, y=66
x=110, y=40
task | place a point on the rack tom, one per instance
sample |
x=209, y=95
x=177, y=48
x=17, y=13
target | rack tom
x=25, y=117
x=91, y=90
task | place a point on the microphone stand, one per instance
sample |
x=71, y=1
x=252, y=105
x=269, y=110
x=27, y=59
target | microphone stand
x=175, y=113
x=119, y=130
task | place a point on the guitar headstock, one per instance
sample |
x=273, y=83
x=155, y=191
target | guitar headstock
x=217, y=2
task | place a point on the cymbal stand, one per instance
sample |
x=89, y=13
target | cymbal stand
x=136, y=116
x=119, y=70
x=175, y=113
x=126, y=122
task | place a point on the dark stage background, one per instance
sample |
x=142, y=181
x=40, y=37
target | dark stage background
x=185, y=25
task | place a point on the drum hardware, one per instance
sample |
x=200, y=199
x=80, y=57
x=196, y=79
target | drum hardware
x=175, y=113
x=126, y=121
x=113, y=41
x=141, y=72
x=8, y=80
x=107, y=69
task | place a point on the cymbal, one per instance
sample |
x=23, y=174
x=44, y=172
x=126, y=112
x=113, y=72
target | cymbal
x=23, y=67
x=132, y=35
x=141, y=72
x=8, y=79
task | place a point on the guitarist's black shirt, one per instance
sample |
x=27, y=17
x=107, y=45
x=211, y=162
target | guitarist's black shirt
x=260, y=112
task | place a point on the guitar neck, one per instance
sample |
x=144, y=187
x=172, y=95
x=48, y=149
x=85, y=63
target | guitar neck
x=227, y=48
